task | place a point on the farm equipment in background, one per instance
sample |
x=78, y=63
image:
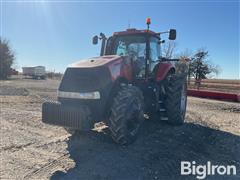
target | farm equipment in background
x=13, y=71
x=37, y=72
x=128, y=80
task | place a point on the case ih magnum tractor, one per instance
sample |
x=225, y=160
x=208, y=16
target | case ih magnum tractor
x=127, y=81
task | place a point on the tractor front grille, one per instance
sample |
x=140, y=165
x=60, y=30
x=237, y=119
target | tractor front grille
x=85, y=79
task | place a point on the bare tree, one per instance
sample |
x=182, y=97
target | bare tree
x=186, y=54
x=215, y=70
x=200, y=65
x=7, y=58
x=168, y=49
x=183, y=65
x=195, y=65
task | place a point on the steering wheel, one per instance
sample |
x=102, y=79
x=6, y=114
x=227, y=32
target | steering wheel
x=133, y=54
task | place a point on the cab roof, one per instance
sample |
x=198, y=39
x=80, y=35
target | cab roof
x=135, y=31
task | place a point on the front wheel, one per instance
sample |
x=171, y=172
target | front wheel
x=126, y=115
x=176, y=99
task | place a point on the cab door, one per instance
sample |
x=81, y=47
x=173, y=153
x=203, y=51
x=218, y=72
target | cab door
x=154, y=55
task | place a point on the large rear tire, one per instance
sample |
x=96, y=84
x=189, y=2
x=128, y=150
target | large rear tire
x=176, y=99
x=126, y=115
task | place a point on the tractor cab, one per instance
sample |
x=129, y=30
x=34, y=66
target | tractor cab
x=142, y=46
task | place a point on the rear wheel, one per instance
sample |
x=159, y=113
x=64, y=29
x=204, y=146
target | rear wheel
x=126, y=115
x=176, y=99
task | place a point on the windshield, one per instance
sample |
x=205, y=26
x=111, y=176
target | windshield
x=134, y=46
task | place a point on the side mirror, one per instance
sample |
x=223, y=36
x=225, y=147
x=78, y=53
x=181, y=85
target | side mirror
x=172, y=34
x=95, y=39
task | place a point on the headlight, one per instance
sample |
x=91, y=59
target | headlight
x=76, y=95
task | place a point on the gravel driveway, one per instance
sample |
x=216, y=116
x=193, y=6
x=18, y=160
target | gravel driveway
x=30, y=149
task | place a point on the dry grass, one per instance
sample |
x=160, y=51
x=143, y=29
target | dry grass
x=223, y=85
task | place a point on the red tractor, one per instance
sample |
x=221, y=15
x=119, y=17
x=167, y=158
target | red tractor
x=127, y=81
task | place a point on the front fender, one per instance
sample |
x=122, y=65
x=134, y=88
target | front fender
x=163, y=69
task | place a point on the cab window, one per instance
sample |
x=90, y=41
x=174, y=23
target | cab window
x=154, y=52
x=133, y=46
x=154, y=49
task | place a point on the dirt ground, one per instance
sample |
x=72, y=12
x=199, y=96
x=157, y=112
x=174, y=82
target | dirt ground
x=30, y=149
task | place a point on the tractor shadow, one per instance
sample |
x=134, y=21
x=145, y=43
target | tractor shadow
x=156, y=154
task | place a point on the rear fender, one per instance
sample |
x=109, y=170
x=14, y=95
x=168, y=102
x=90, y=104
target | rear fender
x=163, y=69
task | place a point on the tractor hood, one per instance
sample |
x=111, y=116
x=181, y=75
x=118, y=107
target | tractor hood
x=93, y=74
x=89, y=83
x=95, y=61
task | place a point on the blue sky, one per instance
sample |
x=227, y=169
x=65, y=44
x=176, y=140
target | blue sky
x=56, y=34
